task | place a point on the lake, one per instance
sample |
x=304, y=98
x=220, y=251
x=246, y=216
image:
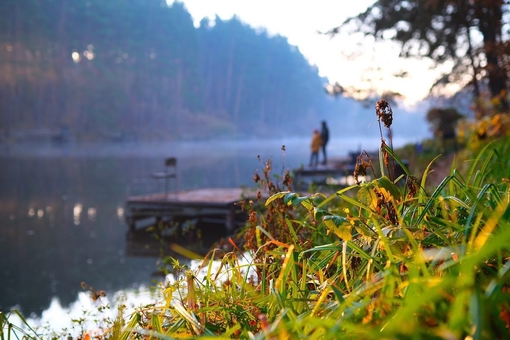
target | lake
x=62, y=207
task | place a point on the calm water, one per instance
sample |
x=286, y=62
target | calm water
x=61, y=211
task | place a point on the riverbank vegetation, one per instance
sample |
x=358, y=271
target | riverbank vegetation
x=391, y=258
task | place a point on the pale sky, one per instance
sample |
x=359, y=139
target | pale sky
x=347, y=58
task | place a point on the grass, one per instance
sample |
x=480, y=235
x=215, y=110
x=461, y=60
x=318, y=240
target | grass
x=387, y=259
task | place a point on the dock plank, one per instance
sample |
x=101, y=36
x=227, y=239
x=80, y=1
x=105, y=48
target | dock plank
x=205, y=204
x=207, y=196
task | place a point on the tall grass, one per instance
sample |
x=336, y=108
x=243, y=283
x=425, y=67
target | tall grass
x=385, y=259
x=10, y=330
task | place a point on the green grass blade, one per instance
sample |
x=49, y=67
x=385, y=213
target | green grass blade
x=422, y=195
x=473, y=169
x=381, y=162
x=397, y=158
x=156, y=323
x=135, y=319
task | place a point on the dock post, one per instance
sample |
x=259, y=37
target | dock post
x=230, y=220
x=130, y=220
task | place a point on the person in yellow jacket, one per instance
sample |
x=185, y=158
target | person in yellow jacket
x=315, y=147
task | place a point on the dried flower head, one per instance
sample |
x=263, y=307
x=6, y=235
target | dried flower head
x=385, y=205
x=360, y=170
x=384, y=112
x=412, y=186
x=287, y=180
x=363, y=163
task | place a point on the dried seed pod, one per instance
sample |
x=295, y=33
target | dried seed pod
x=412, y=186
x=384, y=112
x=385, y=154
x=287, y=180
x=360, y=170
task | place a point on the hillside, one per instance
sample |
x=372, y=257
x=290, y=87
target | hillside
x=138, y=70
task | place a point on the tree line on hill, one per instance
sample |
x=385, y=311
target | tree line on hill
x=141, y=68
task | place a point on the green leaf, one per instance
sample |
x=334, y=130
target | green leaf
x=276, y=196
x=338, y=220
x=289, y=197
x=364, y=230
x=338, y=294
x=325, y=247
x=130, y=328
x=305, y=201
x=366, y=195
x=156, y=323
x=319, y=214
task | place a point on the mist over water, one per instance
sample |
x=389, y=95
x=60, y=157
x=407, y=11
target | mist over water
x=61, y=211
x=296, y=148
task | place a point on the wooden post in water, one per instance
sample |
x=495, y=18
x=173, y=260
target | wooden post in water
x=230, y=220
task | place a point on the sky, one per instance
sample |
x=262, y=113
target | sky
x=347, y=58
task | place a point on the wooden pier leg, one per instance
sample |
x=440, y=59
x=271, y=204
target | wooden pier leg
x=131, y=223
x=230, y=220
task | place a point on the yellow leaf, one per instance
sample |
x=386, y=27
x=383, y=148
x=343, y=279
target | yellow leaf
x=343, y=231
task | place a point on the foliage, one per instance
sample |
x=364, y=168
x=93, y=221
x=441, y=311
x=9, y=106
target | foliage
x=443, y=121
x=141, y=68
x=388, y=258
x=486, y=128
x=385, y=256
x=12, y=331
x=467, y=33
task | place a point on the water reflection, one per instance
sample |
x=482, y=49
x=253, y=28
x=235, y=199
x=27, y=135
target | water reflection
x=62, y=209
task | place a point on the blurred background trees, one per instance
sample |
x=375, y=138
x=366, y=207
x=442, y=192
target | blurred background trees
x=140, y=68
x=470, y=35
x=443, y=124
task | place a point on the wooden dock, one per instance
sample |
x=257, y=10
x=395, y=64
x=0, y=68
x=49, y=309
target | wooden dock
x=197, y=216
x=335, y=174
x=217, y=205
x=207, y=214
x=214, y=205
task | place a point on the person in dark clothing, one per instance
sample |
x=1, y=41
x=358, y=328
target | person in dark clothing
x=325, y=139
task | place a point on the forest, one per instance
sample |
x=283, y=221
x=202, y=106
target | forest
x=140, y=69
